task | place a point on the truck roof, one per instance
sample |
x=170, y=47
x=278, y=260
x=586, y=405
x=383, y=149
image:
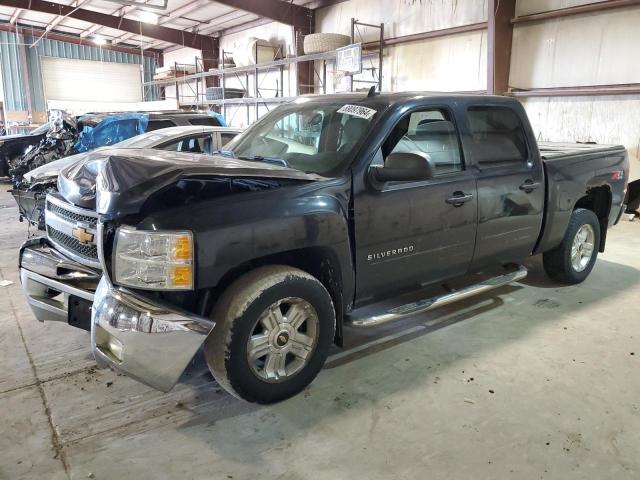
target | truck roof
x=391, y=98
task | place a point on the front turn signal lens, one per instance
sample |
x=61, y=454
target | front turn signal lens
x=181, y=276
x=182, y=248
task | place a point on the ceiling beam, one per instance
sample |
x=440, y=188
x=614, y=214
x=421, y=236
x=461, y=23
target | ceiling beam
x=15, y=16
x=96, y=28
x=157, y=32
x=276, y=10
x=68, y=38
x=58, y=19
x=168, y=17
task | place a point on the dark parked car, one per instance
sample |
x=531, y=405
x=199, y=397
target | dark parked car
x=14, y=146
x=70, y=135
x=325, y=205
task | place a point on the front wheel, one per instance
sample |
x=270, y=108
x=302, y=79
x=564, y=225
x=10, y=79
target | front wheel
x=274, y=328
x=571, y=262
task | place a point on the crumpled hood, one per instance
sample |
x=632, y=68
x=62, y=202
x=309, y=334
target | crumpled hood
x=118, y=181
x=51, y=170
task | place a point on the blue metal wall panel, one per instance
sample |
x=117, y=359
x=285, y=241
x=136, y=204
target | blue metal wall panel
x=13, y=76
x=12, y=73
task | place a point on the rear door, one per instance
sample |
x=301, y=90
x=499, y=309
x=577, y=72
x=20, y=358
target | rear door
x=510, y=183
x=417, y=232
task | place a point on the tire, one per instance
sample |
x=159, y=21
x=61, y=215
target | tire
x=289, y=349
x=324, y=42
x=559, y=263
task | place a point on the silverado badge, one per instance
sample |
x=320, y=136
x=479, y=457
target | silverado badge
x=81, y=234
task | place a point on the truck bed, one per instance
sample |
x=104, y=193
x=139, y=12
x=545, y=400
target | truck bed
x=553, y=150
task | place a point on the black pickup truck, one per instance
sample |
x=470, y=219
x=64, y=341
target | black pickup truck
x=263, y=253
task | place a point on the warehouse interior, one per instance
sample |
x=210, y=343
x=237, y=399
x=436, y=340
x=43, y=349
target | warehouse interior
x=125, y=121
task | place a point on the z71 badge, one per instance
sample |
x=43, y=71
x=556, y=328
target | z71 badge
x=394, y=252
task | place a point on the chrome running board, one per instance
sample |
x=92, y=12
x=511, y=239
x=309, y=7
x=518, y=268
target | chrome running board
x=427, y=304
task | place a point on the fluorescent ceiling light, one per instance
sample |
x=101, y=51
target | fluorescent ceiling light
x=98, y=40
x=148, y=17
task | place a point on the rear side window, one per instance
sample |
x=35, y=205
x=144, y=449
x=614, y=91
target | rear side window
x=158, y=124
x=226, y=138
x=498, y=136
x=187, y=144
x=206, y=121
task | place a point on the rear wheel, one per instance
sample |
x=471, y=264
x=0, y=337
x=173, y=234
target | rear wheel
x=571, y=262
x=274, y=328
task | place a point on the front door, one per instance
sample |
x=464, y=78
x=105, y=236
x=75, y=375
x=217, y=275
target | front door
x=412, y=233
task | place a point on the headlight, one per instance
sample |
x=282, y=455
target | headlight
x=154, y=260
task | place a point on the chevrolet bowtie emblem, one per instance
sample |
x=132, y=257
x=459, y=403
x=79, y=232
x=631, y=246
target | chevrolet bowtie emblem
x=82, y=235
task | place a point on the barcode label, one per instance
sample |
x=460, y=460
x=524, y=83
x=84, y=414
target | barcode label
x=358, y=111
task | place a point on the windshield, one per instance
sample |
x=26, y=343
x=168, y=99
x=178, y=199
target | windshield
x=141, y=141
x=41, y=130
x=311, y=137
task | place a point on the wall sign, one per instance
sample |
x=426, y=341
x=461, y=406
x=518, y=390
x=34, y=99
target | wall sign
x=349, y=59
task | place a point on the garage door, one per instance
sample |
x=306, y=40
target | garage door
x=84, y=80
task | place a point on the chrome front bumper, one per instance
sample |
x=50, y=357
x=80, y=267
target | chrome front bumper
x=147, y=341
x=49, y=279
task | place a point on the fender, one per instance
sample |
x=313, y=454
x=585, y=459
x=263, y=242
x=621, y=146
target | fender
x=239, y=228
x=567, y=183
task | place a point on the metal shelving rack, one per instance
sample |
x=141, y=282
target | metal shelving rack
x=248, y=77
x=355, y=30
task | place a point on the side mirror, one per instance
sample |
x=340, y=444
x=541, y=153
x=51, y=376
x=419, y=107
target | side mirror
x=402, y=167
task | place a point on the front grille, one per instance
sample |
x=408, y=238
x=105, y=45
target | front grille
x=90, y=252
x=67, y=225
x=71, y=216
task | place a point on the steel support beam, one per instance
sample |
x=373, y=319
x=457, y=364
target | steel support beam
x=304, y=70
x=499, y=37
x=418, y=37
x=276, y=10
x=210, y=59
x=577, y=10
x=168, y=17
x=33, y=31
x=582, y=91
x=157, y=32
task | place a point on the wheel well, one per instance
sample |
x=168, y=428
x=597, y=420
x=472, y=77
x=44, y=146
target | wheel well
x=317, y=261
x=598, y=200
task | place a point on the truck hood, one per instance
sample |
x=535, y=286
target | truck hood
x=50, y=171
x=118, y=181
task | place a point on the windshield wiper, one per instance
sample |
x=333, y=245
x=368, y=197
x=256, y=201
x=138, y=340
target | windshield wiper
x=273, y=160
x=225, y=153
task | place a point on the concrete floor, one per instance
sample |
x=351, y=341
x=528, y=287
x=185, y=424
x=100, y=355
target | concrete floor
x=532, y=381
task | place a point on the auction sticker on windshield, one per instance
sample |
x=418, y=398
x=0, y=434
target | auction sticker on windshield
x=358, y=111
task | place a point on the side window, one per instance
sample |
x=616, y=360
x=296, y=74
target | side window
x=430, y=131
x=226, y=138
x=206, y=121
x=158, y=124
x=189, y=144
x=498, y=136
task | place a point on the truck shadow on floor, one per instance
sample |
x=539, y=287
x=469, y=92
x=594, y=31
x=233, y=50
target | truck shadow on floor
x=360, y=342
x=202, y=411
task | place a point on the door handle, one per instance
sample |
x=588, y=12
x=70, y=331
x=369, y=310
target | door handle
x=459, y=198
x=529, y=186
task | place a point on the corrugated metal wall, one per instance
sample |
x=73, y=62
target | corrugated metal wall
x=12, y=46
x=11, y=51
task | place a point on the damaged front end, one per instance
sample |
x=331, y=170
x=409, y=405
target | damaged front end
x=31, y=201
x=147, y=330
x=58, y=143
